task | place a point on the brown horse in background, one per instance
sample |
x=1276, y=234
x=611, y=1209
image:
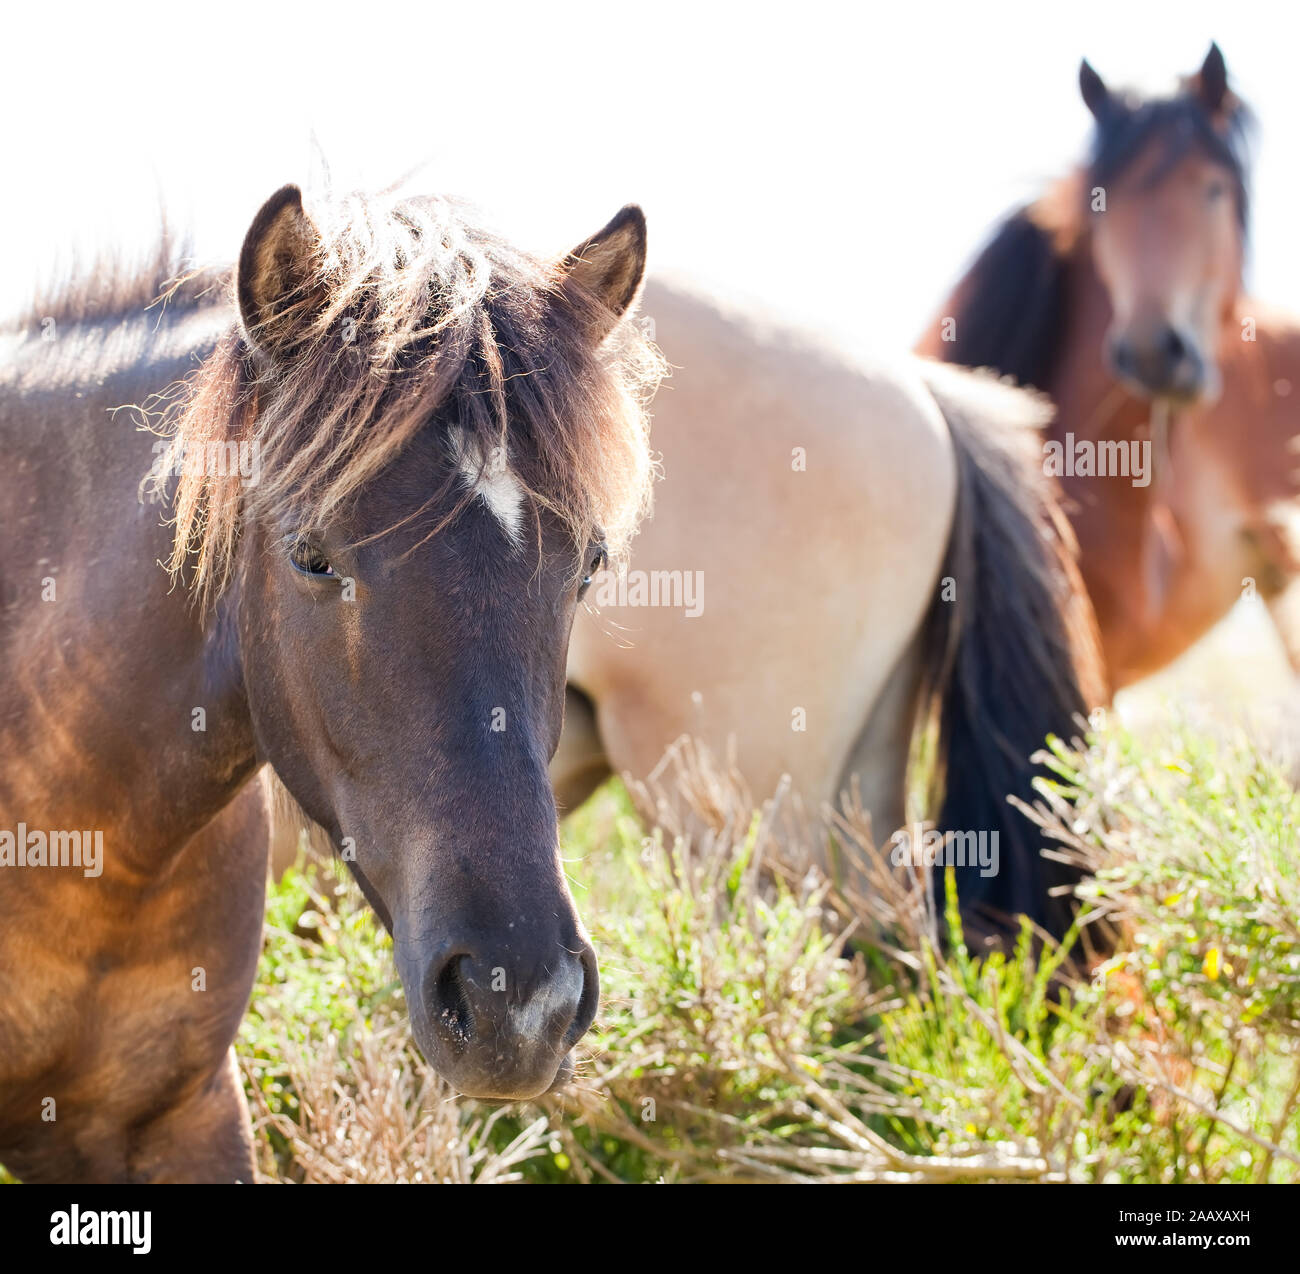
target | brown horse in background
x=1118, y=293
x=403, y=448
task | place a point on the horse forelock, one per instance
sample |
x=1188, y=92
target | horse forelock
x=421, y=319
x=1181, y=125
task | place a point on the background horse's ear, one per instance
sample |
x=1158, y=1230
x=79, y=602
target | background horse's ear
x=1210, y=83
x=275, y=277
x=609, y=268
x=1096, y=96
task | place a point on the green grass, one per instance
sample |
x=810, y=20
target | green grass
x=736, y=1041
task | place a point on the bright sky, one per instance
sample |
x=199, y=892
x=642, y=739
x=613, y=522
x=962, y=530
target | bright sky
x=837, y=162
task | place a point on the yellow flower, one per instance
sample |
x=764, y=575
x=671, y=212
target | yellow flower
x=1210, y=966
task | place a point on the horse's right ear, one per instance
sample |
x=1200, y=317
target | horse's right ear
x=1210, y=83
x=275, y=276
x=1096, y=96
x=609, y=268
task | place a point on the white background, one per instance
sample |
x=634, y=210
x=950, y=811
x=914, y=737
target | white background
x=838, y=163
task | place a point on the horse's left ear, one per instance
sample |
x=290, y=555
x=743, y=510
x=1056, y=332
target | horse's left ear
x=609, y=268
x=1210, y=83
x=275, y=276
x=1096, y=96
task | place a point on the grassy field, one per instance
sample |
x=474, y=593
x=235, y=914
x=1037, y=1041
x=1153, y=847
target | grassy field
x=757, y=1025
x=737, y=1042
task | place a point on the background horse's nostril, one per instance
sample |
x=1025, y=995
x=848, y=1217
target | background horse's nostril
x=1175, y=347
x=1123, y=357
x=452, y=1014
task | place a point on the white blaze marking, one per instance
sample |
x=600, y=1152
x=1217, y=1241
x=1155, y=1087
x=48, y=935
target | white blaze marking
x=492, y=480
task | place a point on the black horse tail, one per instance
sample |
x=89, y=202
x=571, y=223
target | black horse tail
x=1013, y=652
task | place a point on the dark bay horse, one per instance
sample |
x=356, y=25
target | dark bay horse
x=1118, y=293
x=400, y=450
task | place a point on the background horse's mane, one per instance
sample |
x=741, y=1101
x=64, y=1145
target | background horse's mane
x=1011, y=303
x=1011, y=306
x=414, y=316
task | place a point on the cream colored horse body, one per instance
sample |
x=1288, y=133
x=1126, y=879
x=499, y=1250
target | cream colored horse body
x=831, y=511
x=816, y=501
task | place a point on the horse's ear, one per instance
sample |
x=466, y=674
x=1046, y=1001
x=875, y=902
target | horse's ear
x=274, y=280
x=1096, y=96
x=609, y=268
x=1210, y=83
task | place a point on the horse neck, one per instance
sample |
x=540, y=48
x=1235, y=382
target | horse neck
x=197, y=732
x=204, y=736
x=119, y=669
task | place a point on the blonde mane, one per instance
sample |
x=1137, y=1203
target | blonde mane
x=414, y=317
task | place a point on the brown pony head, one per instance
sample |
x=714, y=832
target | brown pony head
x=448, y=438
x=1167, y=192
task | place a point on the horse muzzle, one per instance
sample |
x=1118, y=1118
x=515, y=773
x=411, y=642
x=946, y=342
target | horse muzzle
x=501, y=1028
x=1160, y=364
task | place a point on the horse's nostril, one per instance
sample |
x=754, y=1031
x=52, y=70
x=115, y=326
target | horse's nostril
x=588, y=1002
x=452, y=1013
x=1123, y=358
x=1175, y=346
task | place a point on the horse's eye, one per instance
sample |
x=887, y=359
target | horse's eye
x=1217, y=190
x=308, y=559
x=598, y=558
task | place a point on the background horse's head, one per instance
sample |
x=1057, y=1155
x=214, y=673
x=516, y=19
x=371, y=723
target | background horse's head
x=1166, y=186
x=448, y=439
